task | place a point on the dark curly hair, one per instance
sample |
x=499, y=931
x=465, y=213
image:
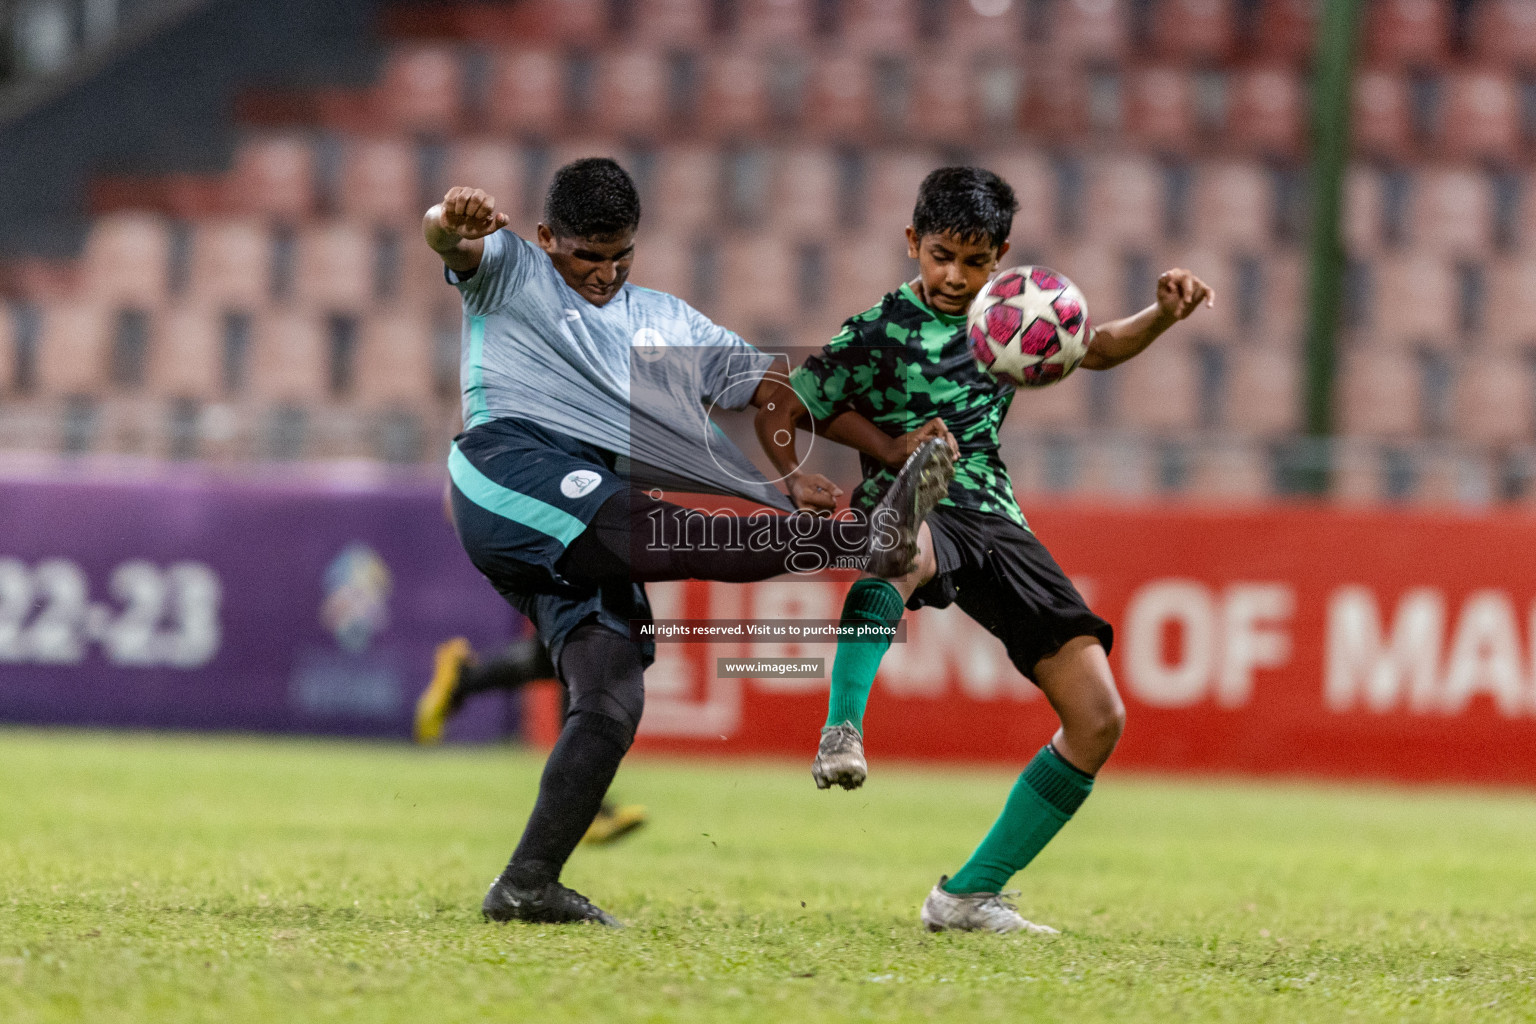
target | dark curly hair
x=592, y=198
x=969, y=202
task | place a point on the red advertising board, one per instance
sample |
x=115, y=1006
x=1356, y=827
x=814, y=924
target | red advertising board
x=1307, y=641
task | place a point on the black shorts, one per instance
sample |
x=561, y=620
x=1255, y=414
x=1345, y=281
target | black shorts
x=1001, y=575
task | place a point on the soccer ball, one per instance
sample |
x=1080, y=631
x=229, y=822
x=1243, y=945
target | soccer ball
x=1029, y=326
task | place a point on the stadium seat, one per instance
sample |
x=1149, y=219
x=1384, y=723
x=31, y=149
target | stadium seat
x=378, y=182
x=633, y=87
x=335, y=267
x=673, y=22
x=420, y=89
x=1227, y=472
x=1060, y=406
x=1495, y=396
x=663, y=262
x=944, y=104
x=1233, y=204
x=894, y=177
x=74, y=347
x=1482, y=115
x=1264, y=398
x=686, y=190
x=1504, y=31
x=490, y=164
x=841, y=106
x=273, y=177
x=806, y=193
x=735, y=100
x=1361, y=214
x=527, y=91
x=1451, y=212
x=1193, y=30
x=889, y=25
x=1399, y=32
x=865, y=268
x=1160, y=107
x=775, y=21
x=1061, y=108
x=1416, y=303
x=1381, y=122
x=394, y=361
x=230, y=262
x=1093, y=268
x=1377, y=393
x=1125, y=201
x=184, y=361
x=288, y=359
x=1087, y=29
x=126, y=259
x=1511, y=324
x=1287, y=29
x=1160, y=390
x=1268, y=111
x=758, y=278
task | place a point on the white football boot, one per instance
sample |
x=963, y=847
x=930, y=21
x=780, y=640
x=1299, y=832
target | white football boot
x=976, y=912
x=840, y=758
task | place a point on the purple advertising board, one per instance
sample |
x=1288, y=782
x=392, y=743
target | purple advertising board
x=187, y=600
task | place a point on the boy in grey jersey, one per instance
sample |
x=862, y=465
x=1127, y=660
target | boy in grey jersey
x=580, y=390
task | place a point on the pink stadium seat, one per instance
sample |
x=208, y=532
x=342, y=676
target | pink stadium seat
x=1380, y=121
x=1268, y=110
x=1160, y=107
x=1378, y=393
x=490, y=164
x=230, y=262
x=1193, y=29
x=841, y=106
x=1505, y=31
x=526, y=92
x=1095, y=29
x=1482, y=115
x=1404, y=31
x=944, y=104
x=420, y=89
x=673, y=22
x=1415, y=303
x=778, y=21
x=1160, y=390
x=1093, y=268
x=1287, y=29
x=887, y=25
x=894, y=176
x=757, y=274
x=1511, y=323
x=1494, y=399
x=1228, y=473
x=866, y=268
x=125, y=259
x=1061, y=406
x=74, y=347
x=1265, y=393
x=806, y=192
x=1233, y=203
x=687, y=190
x=1451, y=212
x=735, y=98
x=1124, y=201
x=288, y=358
x=273, y=177
x=378, y=181
x=184, y=361
x=1058, y=108
x=993, y=26
x=1285, y=298
x=394, y=361
x=335, y=268
x=633, y=87
x=663, y=262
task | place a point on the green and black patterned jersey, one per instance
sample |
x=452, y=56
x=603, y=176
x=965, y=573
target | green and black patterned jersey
x=899, y=365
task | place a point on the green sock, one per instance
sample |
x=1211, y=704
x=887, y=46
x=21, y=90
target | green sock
x=857, y=661
x=1043, y=799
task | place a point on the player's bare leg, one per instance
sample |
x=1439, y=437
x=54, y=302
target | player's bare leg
x=840, y=757
x=1078, y=683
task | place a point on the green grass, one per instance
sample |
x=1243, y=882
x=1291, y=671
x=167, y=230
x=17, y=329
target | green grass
x=166, y=879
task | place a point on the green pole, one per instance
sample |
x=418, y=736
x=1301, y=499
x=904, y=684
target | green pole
x=1330, y=153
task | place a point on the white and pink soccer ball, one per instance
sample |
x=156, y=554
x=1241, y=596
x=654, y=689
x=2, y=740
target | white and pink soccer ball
x=1029, y=326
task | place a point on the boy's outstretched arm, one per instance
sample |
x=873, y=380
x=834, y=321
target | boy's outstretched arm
x=1179, y=293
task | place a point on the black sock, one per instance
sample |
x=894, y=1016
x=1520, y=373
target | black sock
x=524, y=662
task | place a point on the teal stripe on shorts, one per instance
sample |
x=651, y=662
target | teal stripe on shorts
x=509, y=504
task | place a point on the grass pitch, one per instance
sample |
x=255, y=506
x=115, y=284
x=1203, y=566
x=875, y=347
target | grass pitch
x=168, y=879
